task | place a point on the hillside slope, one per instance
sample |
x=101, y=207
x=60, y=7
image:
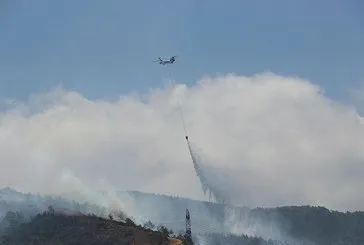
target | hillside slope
x=292, y=224
x=210, y=221
x=55, y=228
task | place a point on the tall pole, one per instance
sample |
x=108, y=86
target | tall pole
x=188, y=235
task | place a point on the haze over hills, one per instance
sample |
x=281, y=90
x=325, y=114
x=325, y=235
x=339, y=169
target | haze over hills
x=268, y=176
x=271, y=141
x=287, y=224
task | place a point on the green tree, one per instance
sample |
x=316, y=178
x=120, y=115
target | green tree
x=164, y=230
x=149, y=225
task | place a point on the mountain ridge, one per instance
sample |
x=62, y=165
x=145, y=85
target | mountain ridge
x=291, y=224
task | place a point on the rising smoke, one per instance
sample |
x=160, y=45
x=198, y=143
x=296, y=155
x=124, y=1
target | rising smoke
x=265, y=140
x=279, y=140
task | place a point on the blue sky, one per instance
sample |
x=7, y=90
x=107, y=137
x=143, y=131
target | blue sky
x=105, y=48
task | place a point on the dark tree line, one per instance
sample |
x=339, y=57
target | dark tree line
x=54, y=228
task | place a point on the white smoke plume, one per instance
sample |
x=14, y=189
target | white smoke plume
x=280, y=140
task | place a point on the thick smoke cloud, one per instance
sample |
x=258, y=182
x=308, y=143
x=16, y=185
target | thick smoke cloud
x=279, y=139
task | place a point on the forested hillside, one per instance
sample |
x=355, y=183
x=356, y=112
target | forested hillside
x=211, y=223
x=51, y=228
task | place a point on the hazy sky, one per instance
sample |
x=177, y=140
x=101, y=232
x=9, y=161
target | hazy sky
x=291, y=136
